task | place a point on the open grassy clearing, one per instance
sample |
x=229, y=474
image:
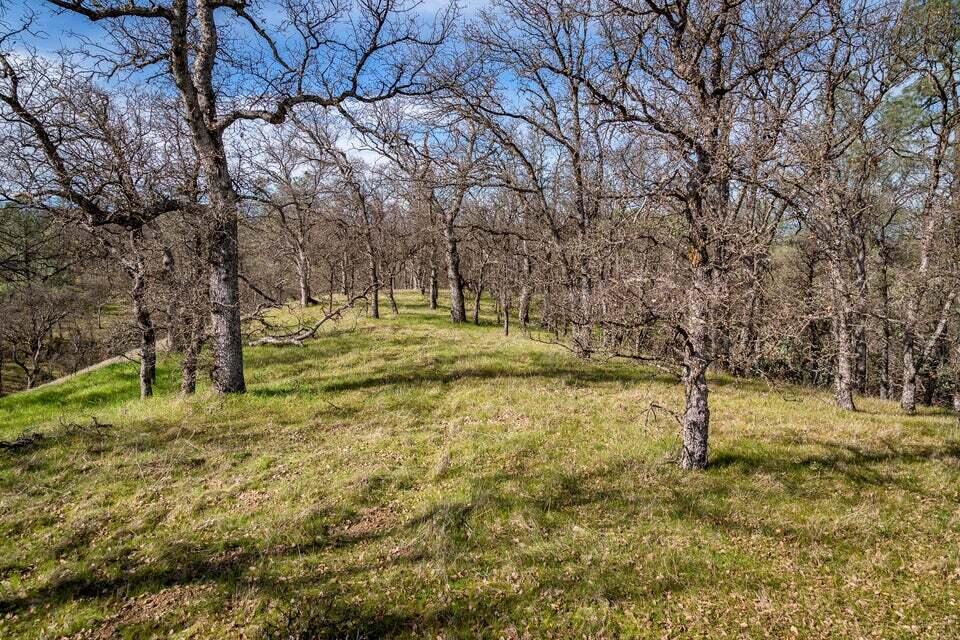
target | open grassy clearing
x=405, y=477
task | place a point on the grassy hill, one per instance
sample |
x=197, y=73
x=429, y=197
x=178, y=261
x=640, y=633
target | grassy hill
x=405, y=477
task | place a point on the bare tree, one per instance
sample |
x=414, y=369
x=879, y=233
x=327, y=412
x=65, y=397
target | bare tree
x=382, y=53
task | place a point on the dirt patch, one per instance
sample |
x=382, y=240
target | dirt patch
x=368, y=523
x=145, y=609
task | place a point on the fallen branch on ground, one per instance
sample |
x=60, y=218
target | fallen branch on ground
x=21, y=441
x=305, y=333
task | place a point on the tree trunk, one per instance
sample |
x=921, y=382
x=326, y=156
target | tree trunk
x=191, y=356
x=929, y=388
x=393, y=299
x=194, y=81
x=225, y=299
x=843, y=379
x=303, y=279
x=582, y=329
x=137, y=270
x=148, y=343
x=506, y=314
x=375, y=285
x=860, y=344
x=696, y=413
x=523, y=312
x=476, y=299
x=330, y=290
x=844, y=332
x=173, y=309
x=458, y=312
x=886, y=333
x=908, y=393
x=434, y=285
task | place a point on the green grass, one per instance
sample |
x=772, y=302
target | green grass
x=405, y=477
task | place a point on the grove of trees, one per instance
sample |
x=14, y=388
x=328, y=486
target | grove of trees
x=766, y=189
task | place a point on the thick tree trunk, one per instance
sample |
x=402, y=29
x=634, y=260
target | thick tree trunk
x=303, y=279
x=225, y=300
x=843, y=378
x=344, y=285
x=843, y=330
x=696, y=414
x=148, y=342
x=458, y=312
x=137, y=270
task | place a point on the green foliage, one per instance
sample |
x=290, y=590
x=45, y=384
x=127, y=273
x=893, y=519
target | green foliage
x=405, y=477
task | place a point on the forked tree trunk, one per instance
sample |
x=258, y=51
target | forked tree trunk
x=194, y=81
x=915, y=356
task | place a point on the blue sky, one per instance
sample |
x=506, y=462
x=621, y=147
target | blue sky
x=57, y=29
x=54, y=29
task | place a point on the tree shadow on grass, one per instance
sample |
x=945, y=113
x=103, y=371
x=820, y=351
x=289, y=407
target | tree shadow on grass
x=448, y=369
x=857, y=465
x=453, y=530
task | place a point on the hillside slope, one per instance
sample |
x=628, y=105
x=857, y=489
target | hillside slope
x=405, y=477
